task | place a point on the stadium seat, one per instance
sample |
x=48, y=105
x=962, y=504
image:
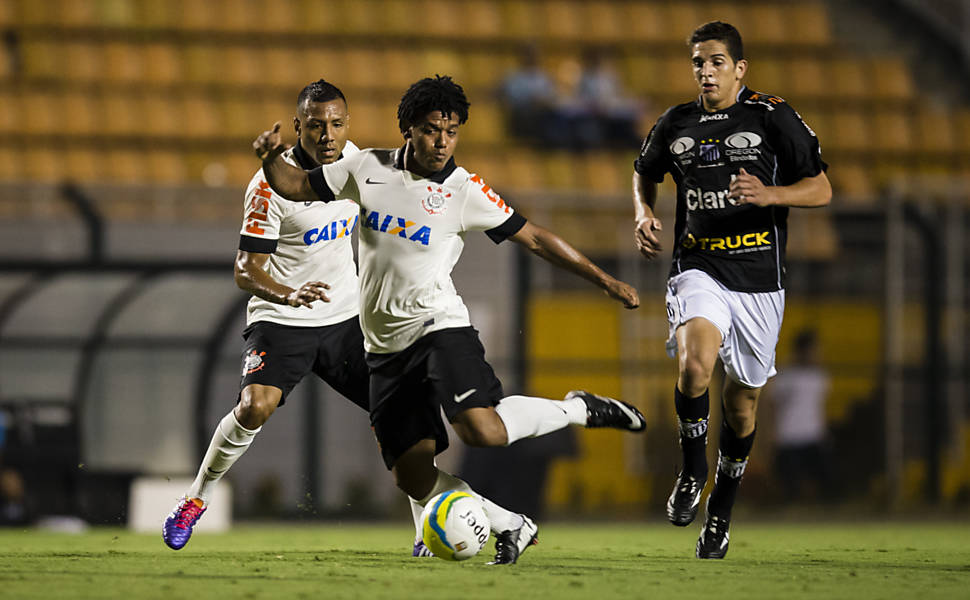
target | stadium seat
x=602, y=21
x=85, y=110
x=166, y=166
x=363, y=68
x=766, y=23
x=891, y=131
x=81, y=165
x=852, y=184
x=524, y=173
x=124, y=113
x=849, y=130
x=123, y=62
x=162, y=116
x=677, y=20
x=934, y=131
x=521, y=19
x=559, y=171
x=482, y=17
x=561, y=20
x=202, y=63
x=240, y=65
x=41, y=59
x=642, y=21
x=961, y=120
x=808, y=23
x=806, y=78
x=645, y=73
x=123, y=166
x=677, y=76
x=772, y=76
x=316, y=17
x=721, y=10
x=39, y=113
x=162, y=64
x=11, y=120
x=41, y=164
x=891, y=79
x=323, y=63
x=605, y=172
x=847, y=77
x=402, y=66
x=485, y=70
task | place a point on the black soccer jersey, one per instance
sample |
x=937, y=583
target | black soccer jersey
x=741, y=246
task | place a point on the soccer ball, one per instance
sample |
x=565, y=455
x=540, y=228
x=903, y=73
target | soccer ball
x=455, y=525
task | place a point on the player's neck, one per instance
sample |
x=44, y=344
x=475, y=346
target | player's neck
x=729, y=100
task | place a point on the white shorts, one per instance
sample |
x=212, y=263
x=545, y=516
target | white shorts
x=749, y=323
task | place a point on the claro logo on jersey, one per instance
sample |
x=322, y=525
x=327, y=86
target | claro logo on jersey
x=698, y=199
x=733, y=244
x=332, y=231
x=398, y=226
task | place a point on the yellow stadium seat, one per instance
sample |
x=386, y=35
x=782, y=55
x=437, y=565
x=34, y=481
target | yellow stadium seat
x=439, y=61
x=162, y=117
x=962, y=129
x=69, y=13
x=722, y=10
x=324, y=63
x=806, y=77
x=485, y=70
x=282, y=66
x=679, y=19
x=368, y=16
x=934, y=130
x=403, y=66
x=39, y=113
x=646, y=73
x=642, y=21
x=319, y=17
x=82, y=165
x=849, y=130
x=202, y=63
x=770, y=75
x=117, y=13
x=11, y=120
x=203, y=16
x=11, y=169
x=166, y=166
x=162, y=64
x=9, y=14
x=203, y=117
x=561, y=20
x=124, y=114
x=41, y=59
x=602, y=21
x=848, y=78
x=811, y=236
x=559, y=170
x=41, y=164
x=364, y=69
x=808, y=23
x=242, y=65
x=486, y=124
x=605, y=173
x=766, y=23
x=677, y=76
x=122, y=166
x=521, y=19
x=282, y=16
x=482, y=18
x=85, y=110
x=158, y=15
x=123, y=62
x=891, y=79
x=891, y=131
x=851, y=184
x=523, y=170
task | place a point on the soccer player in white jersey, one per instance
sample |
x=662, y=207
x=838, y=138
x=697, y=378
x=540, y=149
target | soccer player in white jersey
x=424, y=355
x=297, y=262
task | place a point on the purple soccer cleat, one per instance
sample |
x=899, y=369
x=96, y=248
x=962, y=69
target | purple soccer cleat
x=178, y=526
x=420, y=550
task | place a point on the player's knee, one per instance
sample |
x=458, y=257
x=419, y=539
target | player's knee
x=695, y=376
x=741, y=419
x=481, y=427
x=256, y=404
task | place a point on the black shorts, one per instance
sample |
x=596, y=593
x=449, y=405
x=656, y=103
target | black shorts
x=282, y=355
x=446, y=370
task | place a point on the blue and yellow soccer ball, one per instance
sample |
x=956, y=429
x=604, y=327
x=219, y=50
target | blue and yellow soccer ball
x=455, y=525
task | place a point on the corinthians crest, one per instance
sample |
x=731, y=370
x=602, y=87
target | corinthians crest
x=435, y=202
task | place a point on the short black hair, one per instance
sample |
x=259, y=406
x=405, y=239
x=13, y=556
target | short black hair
x=432, y=94
x=722, y=32
x=319, y=91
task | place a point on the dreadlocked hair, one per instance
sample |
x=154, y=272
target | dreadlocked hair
x=439, y=93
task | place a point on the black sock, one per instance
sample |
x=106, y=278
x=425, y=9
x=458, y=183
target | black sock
x=731, y=463
x=692, y=414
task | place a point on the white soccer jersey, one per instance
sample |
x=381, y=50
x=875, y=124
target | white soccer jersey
x=306, y=241
x=411, y=235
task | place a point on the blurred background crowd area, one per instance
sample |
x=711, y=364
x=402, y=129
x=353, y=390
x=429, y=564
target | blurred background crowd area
x=127, y=129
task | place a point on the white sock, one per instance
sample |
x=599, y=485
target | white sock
x=500, y=518
x=416, y=510
x=229, y=442
x=526, y=417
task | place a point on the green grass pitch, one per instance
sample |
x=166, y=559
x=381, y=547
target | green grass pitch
x=628, y=560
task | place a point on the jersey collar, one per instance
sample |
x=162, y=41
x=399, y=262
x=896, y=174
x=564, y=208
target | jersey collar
x=304, y=160
x=438, y=177
x=743, y=94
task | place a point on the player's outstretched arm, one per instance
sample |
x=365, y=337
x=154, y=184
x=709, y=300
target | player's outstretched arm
x=251, y=277
x=292, y=183
x=809, y=192
x=556, y=250
x=647, y=225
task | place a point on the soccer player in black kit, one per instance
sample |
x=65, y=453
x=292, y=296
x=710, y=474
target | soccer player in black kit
x=740, y=159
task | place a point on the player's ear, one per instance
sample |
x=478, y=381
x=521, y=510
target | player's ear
x=741, y=68
x=296, y=125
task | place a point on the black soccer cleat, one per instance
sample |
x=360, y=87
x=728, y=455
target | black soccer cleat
x=607, y=412
x=714, y=538
x=684, y=500
x=511, y=543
